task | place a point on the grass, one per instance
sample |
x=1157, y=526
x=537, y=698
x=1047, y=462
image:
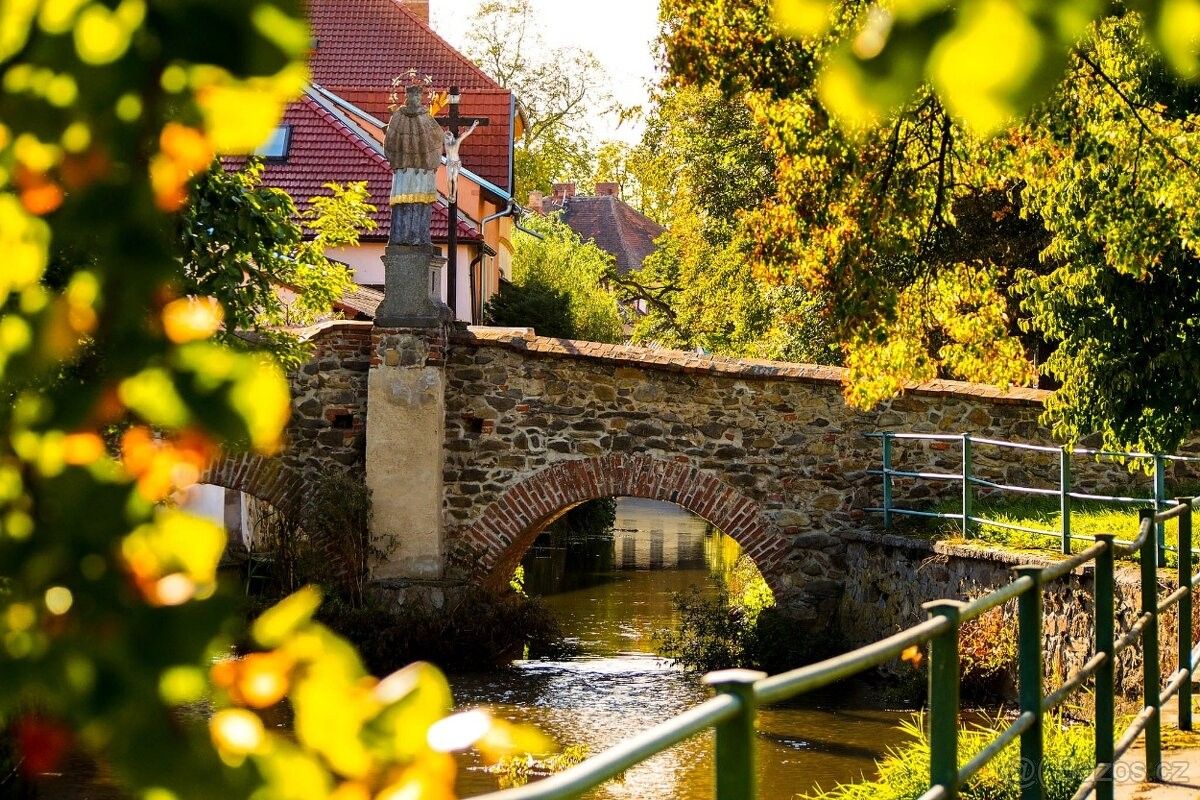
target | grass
x=1088, y=518
x=904, y=771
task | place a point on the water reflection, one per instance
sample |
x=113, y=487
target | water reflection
x=610, y=594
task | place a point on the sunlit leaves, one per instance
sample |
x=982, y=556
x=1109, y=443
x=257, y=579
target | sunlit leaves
x=24, y=240
x=1175, y=26
x=174, y=558
x=192, y=318
x=286, y=617
x=804, y=18
x=102, y=34
x=989, y=60
x=358, y=737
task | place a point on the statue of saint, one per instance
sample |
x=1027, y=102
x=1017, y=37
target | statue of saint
x=453, y=160
x=414, y=149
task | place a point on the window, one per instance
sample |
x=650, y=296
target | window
x=276, y=145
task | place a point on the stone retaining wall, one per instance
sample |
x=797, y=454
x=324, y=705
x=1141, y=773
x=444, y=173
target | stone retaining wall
x=894, y=575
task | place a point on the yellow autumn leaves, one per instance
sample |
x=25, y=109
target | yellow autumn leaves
x=356, y=737
x=988, y=60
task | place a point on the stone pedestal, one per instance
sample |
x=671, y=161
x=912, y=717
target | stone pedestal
x=412, y=288
x=406, y=422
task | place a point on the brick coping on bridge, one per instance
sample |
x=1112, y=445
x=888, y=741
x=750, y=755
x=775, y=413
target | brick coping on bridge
x=525, y=340
x=749, y=368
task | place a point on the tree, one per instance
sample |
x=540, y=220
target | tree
x=111, y=616
x=559, y=90
x=556, y=263
x=701, y=165
x=243, y=243
x=938, y=250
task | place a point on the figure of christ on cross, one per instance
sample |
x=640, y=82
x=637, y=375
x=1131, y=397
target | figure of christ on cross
x=453, y=123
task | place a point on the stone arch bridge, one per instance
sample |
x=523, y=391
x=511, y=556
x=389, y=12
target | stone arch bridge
x=474, y=441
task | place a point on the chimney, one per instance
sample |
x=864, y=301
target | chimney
x=419, y=9
x=608, y=190
x=535, y=203
x=563, y=192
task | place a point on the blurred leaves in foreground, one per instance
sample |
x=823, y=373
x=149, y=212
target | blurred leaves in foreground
x=116, y=396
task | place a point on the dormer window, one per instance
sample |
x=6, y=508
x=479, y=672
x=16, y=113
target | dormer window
x=275, y=148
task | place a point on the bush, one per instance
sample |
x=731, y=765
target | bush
x=338, y=522
x=988, y=652
x=713, y=633
x=329, y=544
x=744, y=630
x=533, y=304
x=904, y=772
x=739, y=627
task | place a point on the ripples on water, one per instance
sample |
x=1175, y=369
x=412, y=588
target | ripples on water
x=610, y=596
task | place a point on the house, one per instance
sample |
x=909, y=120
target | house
x=335, y=133
x=603, y=219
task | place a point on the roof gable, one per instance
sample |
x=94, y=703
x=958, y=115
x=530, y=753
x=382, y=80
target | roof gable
x=361, y=45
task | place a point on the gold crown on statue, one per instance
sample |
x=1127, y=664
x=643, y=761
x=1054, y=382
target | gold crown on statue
x=401, y=82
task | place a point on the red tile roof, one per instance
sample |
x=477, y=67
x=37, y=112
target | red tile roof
x=323, y=148
x=613, y=225
x=361, y=45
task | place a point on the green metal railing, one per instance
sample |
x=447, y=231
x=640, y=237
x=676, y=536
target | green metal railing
x=739, y=693
x=1065, y=492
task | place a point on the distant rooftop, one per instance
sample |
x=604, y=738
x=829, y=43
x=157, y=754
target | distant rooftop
x=604, y=219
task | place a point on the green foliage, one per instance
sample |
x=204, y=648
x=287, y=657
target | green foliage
x=1088, y=518
x=987, y=655
x=243, y=242
x=112, y=618
x=329, y=543
x=713, y=633
x=517, y=770
x=593, y=518
x=558, y=88
x=904, y=772
x=701, y=165
x=936, y=251
x=738, y=626
x=532, y=304
x=560, y=263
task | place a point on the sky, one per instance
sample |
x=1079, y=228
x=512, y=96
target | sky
x=620, y=33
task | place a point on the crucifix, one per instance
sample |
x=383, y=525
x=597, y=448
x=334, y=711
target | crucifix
x=453, y=122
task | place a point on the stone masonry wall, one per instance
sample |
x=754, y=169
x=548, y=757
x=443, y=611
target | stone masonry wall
x=327, y=431
x=535, y=425
x=894, y=575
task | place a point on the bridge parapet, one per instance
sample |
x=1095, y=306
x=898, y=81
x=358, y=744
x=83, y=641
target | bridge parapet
x=537, y=425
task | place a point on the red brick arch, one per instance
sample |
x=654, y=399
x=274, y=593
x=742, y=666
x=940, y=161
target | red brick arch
x=490, y=549
x=267, y=479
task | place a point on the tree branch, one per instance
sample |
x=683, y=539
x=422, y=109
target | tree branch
x=1134, y=109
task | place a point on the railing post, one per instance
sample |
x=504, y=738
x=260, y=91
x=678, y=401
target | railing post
x=1029, y=669
x=1064, y=497
x=887, y=480
x=1185, y=614
x=1160, y=499
x=736, y=777
x=1151, y=679
x=968, y=494
x=1103, y=590
x=943, y=699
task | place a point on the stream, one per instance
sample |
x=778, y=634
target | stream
x=610, y=595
